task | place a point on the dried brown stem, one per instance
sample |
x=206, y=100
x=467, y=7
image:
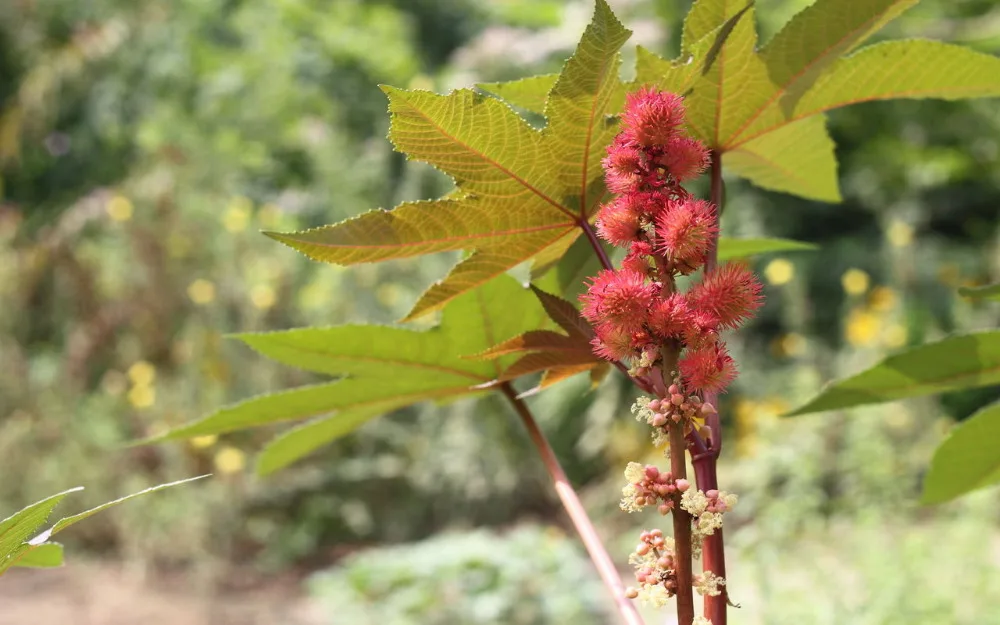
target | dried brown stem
x=577, y=514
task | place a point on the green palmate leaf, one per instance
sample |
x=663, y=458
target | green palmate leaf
x=730, y=249
x=17, y=528
x=807, y=46
x=43, y=556
x=797, y=158
x=957, y=362
x=581, y=107
x=675, y=76
x=521, y=194
x=894, y=69
x=527, y=93
x=990, y=291
x=735, y=81
x=967, y=460
x=385, y=367
x=304, y=439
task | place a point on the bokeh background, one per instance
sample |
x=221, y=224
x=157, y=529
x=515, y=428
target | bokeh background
x=143, y=144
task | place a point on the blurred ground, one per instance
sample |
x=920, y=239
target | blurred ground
x=110, y=594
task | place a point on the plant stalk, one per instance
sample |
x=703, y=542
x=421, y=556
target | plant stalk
x=577, y=514
x=713, y=552
x=595, y=243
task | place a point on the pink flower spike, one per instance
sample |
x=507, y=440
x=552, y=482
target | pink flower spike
x=652, y=117
x=617, y=224
x=612, y=343
x=671, y=317
x=731, y=293
x=684, y=158
x=708, y=370
x=622, y=298
x=623, y=166
x=684, y=233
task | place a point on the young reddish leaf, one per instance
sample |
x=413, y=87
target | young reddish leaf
x=797, y=158
x=967, y=460
x=542, y=361
x=527, y=93
x=534, y=340
x=565, y=314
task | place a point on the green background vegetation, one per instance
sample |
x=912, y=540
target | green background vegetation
x=143, y=144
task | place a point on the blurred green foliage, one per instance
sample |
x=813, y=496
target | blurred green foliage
x=142, y=144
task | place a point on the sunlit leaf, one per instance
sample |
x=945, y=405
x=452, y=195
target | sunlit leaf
x=967, y=460
x=808, y=45
x=797, y=158
x=889, y=70
x=522, y=194
x=990, y=291
x=957, y=362
x=526, y=93
x=742, y=248
x=581, y=107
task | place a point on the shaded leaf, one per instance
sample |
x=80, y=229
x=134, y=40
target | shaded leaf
x=386, y=368
x=990, y=291
x=527, y=93
x=43, y=556
x=957, y=362
x=730, y=249
x=797, y=158
x=967, y=460
x=306, y=438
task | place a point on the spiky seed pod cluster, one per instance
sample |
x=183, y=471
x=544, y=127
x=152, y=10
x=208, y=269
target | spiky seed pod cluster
x=667, y=233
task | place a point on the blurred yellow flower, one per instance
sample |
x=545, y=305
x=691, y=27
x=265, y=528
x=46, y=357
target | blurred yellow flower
x=201, y=291
x=949, y=274
x=263, y=296
x=862, y=327
x=855, y=281
x=779, y=271
x=791, y=344
x=120, y=208
x=114, y=383
x=178, y=245
x=141, y=373
x=236, y=217
x=388, y=294
x=895, y=336
x=142, y=396
x=899, y=233
x=203, y=442
x=882, y=299
x=269, y=216
x=229, y=460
